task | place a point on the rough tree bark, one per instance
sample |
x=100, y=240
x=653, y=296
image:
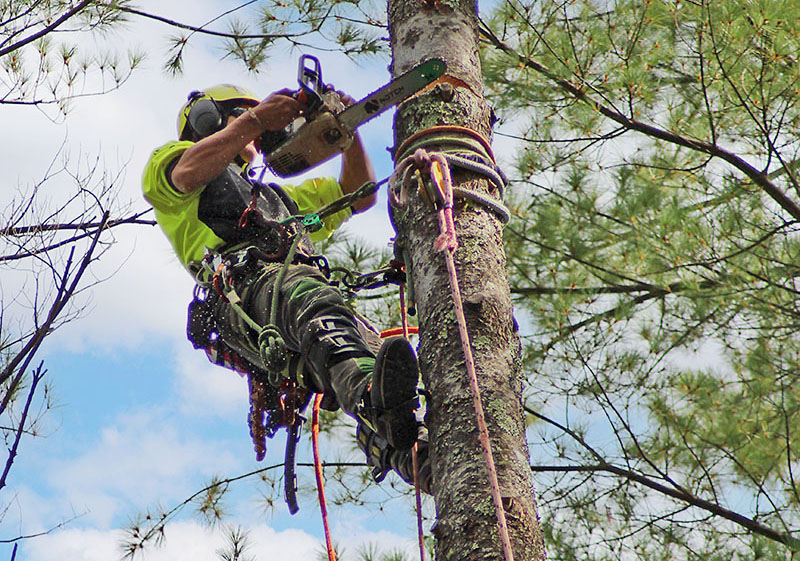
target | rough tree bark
x=466, y=527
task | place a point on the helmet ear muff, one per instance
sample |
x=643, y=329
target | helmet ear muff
x=205, y=117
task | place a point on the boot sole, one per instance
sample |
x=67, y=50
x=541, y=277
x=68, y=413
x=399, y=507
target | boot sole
x=394, y=393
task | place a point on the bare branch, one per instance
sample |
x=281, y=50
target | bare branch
x=36, y=377
x=45, y=30
x=65, y=292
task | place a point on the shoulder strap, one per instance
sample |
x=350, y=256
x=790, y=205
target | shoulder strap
x=287, y=200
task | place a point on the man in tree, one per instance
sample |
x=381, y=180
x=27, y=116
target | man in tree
x=232, y=233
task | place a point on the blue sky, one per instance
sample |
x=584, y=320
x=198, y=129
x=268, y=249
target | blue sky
x=141, y=417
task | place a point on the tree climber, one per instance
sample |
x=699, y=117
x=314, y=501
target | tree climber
x=213, y=212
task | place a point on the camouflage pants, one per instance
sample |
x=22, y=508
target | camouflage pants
x=318, y=327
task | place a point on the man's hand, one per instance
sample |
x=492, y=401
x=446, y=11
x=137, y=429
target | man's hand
x=277, y=110
x=346, y=99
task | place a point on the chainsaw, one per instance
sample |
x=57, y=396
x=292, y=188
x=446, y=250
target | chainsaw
x=328, y=127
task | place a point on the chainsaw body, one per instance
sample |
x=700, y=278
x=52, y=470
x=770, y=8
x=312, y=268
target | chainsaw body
x=309, y=142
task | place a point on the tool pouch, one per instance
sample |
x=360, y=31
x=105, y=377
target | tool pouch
x=200, y=325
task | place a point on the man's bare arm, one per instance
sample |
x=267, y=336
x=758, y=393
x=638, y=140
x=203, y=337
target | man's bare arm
x=356, y=167
x=207, y=158
x=357, y=170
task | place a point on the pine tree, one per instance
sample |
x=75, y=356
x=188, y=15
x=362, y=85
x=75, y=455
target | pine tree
x=654, y=253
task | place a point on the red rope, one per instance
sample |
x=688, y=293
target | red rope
x=394, y=331
x=323, y=506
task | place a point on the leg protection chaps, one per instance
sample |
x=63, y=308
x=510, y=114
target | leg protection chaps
x=315, y=323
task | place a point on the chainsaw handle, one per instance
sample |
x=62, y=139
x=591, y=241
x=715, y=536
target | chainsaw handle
x=309, y=76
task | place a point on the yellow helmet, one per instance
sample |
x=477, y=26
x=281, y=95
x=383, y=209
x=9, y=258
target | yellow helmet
x=204, y=112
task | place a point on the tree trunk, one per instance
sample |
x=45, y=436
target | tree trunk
x=466, y=527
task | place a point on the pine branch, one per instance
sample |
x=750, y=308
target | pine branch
x=139, y=538
x=758, y=177
x=675, y=491
x=204, y=31
x=24, y=537
x=45, y=30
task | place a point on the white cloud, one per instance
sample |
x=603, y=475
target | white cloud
x=185, y=541
x=209, y=389
x=191, y=541
x=144, y=458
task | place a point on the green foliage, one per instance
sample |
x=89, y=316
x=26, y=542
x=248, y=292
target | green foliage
x=353, y=28
x=237, y=546
x=38, y=69
x=656, y=278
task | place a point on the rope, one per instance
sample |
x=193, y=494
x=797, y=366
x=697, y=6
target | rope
x=447, y=243
x=394, y=331
x=323, y=505
x=271, y=346
x=466, y=149
x=414, y=449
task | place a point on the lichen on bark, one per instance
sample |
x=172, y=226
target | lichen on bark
x=466, y=525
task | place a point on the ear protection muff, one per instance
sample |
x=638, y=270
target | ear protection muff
x=205, y=116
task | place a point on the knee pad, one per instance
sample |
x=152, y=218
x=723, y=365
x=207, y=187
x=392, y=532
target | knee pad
x=331, y=338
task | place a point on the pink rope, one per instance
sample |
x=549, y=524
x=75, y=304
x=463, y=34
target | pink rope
x=447, y=243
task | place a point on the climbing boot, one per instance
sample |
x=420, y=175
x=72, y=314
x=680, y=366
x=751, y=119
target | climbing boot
x=391, y=399
x=382, y=457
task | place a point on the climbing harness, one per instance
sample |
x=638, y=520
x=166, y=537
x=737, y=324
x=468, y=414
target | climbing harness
x=435, y=167
x=277, y=400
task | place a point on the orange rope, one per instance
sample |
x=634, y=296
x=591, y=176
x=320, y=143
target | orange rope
x=323, y=506
x=414, y=464
x=412, y=329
